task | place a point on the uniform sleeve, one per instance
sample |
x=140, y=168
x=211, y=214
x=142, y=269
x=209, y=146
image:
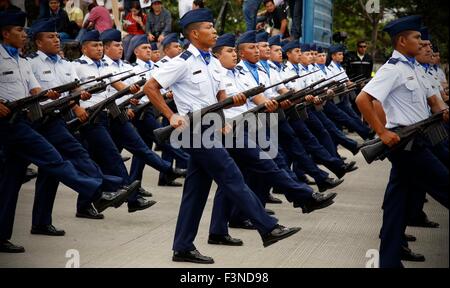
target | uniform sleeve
x=32, y=81
x=383, y=82
x=171, y=72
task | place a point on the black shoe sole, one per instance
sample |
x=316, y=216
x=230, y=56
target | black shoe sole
x=214, y=242
x=323, y=189
x=12, y=251
x=46, y=233
x=294, y=231
x=169, y=185
x=242, y=227
x=423, y=225
x=413, y=259
x=322, y=205
x=179, y=259
x=78, y=215
x=150, y=204
x=117, y=202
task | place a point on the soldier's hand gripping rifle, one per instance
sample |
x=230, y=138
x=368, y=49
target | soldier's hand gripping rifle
x=163, y=133
x=31, y=103
x=108, y=104
x=65, y=103
x=431, y=128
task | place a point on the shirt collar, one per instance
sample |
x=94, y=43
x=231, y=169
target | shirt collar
x=45, y=57
x=111, y=62
x=402, y=57
x=144, y=64
x=290, y=66
x=88, y=60
x=6, y=47
x=244, y=67
x=4, y=53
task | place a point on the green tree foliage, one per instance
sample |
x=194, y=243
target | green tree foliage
x=234, y=19
x=350, y=16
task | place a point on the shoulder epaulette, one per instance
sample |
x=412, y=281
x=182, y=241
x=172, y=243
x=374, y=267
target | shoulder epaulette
x=273, y=67
x=185, y=55
x=80, y=61
x=239, y=68
x=393, y=61
x=134, y=64
x=32, y=55
x=262, y=70
x=165, y=60
x=126, y=62
x=156, y=66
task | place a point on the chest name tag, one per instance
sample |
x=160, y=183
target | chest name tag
x=8, y=73
x=228, y=84
x=47, y=72
x=410, y=78
x=197, y=72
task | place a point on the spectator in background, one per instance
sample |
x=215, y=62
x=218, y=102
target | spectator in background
x=296, y=12
x=75, y=13
x=99, y=17
x=196, y=4
x=261, y=23
x=5, y=5
x=159, y=22
x=277, y=19
x=250, y=11
x=359, y=62
x=184, y=6
x=134, y=24
x=54, y=10
x=75, y=17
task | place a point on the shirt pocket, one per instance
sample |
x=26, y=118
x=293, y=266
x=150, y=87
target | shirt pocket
x=412, y=87
x=200, y=82
x=10, y=78
x=47, y=77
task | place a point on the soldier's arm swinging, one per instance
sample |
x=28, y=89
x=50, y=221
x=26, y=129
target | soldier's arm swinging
x=366, y=106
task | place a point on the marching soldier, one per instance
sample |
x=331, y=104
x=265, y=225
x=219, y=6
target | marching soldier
x=195, y=79
x=335, y=67
x=18, y=135
x=251, y=162
x=406, y=100
x=51, y=71
x=146, y=122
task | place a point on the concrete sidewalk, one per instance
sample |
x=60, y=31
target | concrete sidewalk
x=338, y=236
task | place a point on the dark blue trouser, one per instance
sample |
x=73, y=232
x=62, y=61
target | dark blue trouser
x=297, y=153
x=250, y=9
x=341, y=118
x=145, y=128
x=259, y=168
x=206, y=165
x=126, y=137
x=337, y=135
x=429, y=174
x=23, y=145
x=417, y=199
x=55, y=131
x=104, y=151
x=346, y=106
x=317, y=151
x=321, y=132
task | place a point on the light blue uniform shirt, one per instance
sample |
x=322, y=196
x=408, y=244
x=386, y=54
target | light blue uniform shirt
x=403, y=95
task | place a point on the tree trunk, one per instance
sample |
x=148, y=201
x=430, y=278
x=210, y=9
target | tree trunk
x=374, y=38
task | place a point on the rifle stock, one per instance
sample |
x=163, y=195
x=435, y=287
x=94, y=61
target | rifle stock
x=376, y=150
x=95, y=110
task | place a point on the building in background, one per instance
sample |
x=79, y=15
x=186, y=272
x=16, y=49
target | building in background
x=317, y=22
